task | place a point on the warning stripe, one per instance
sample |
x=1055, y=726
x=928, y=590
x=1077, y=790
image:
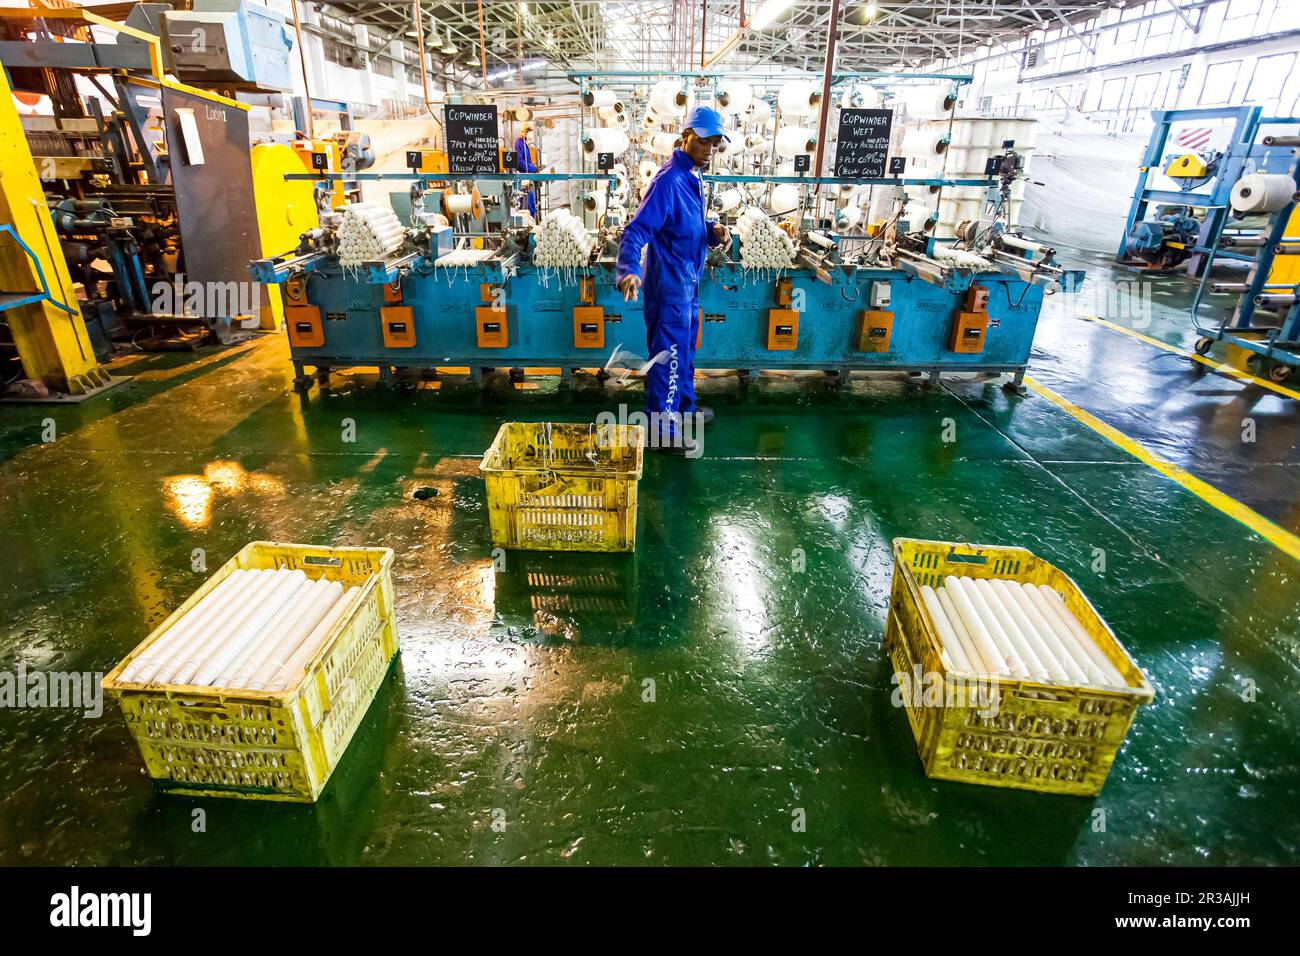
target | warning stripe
x=1195, y=138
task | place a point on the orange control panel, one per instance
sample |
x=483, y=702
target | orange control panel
x=399, y=326
x=589, y=327
x=492, y=326
x=782, y=330
x=970, y=326
x=301, y=318
x=877, y=327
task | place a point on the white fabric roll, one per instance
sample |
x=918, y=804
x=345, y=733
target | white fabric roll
x=799, y=98
x=861, y=97
x=729, y=199
x=923, y=143
x=646, y=171
x=760, y=111
x=1262, y=192
x=606, y=140
x=792, y=140
x=668, y=98
x=734, y=96
x=920, y=217
x=599, y=98
x=663, y=144
x=929, y=102
x=923, y=172
x=785, y=198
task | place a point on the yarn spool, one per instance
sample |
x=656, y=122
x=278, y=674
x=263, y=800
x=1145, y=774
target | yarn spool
x=598, y=98
x=799, y=98
x=793, y=140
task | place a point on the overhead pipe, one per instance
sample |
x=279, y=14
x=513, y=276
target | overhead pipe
x=306, y=83
x=482, y=45
x=424, y=73
x=832, y=36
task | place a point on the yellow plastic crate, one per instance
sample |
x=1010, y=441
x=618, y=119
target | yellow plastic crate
x=264, y=745
x=1046, y=736
x=559, y=487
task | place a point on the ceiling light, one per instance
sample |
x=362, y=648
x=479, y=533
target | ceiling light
x=768, y=13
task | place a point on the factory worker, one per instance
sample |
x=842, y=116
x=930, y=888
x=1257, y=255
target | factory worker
x=526, y=162
x=671, y=223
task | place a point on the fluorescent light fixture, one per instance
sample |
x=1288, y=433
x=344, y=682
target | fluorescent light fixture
x=768, y=13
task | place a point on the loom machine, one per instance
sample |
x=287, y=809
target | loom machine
x=921, y=268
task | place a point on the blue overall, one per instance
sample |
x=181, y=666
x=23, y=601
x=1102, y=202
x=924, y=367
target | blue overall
x=524, y=164
x=671, y=223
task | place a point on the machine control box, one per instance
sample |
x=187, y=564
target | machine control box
x=968, y=331
x=303, y=320
x=782, y=330
x=589, y=327
x=493, y=329
x=784, y=292
x=877, y=327
x=879, y=298
x=971, y=324
x=398, y=326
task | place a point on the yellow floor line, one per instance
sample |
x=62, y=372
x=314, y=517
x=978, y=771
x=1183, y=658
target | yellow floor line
x=1279, y=537
x=1222, y=367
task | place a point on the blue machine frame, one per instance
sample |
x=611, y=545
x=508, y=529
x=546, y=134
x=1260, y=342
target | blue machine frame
x=1244, y=155
x=736, y=306
x=1278, y=344
x=808, y=317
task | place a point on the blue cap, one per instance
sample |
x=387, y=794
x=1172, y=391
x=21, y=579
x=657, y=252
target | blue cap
x=706, y=122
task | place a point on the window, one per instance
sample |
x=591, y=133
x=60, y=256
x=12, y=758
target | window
x=1270, y=76
x=1144, y=90
x=1111, y=92
x=1241, y=8
x=1220, y=80
x=1161, y=26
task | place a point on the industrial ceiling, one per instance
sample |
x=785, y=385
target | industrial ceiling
x=666, y=34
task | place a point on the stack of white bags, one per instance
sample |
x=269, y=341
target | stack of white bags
x=562, y=241
x=369, y=231
x=763, y=244
x=256, y=630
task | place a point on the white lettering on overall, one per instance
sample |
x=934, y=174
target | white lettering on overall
x=671, y=398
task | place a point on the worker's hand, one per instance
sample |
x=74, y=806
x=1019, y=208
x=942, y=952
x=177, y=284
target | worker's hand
x=628, y=285
x=721, y=234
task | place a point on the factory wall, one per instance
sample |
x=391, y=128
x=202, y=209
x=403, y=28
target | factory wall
x=1142, y=58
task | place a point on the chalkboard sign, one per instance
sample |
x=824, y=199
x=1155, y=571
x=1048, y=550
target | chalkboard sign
x=863, y=143
x=473, y=139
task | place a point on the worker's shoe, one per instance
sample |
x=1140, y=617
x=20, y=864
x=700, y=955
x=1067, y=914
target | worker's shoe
x=681, y=447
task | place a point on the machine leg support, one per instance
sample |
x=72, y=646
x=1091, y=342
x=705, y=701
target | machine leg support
x=1016, y=385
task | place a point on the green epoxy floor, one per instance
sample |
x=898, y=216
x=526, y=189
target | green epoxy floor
x=772, y=692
